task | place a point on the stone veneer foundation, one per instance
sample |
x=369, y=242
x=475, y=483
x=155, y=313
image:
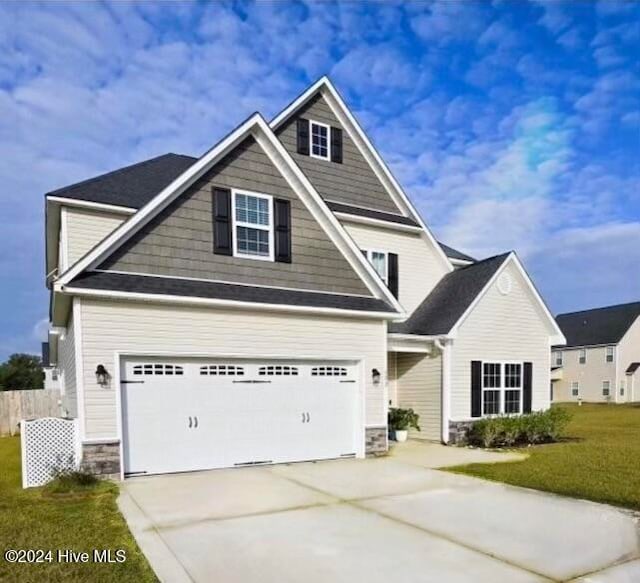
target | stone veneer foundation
x=376, y=442
x=102, y=459
x=458, y=431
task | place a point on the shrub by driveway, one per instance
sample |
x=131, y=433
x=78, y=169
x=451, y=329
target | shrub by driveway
x=80, y=520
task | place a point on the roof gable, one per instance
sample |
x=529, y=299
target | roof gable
x=352, y=182
x=456, y=295
x=256, y=128
x=598, y=326
x=178, y=242
x=366, y=148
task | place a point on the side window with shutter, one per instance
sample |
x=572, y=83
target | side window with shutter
x=222, y=231
x=476, y=388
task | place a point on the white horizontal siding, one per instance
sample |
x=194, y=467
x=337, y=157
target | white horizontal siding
x=628, y=351
x=86, y=228
x=419, y=386
x=588, y=375
x=132, y=327
x=67, y=366
x=501, y=327
x=420, y=267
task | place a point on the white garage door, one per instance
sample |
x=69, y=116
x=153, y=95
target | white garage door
x=192, y=414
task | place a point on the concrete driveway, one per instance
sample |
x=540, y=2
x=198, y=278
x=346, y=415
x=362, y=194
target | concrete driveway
x=375, y=520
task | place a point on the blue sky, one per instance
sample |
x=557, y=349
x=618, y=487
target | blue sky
x=512, y=125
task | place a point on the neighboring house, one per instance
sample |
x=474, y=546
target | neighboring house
x=601, y=360
x=50, y=372
x=268, y=301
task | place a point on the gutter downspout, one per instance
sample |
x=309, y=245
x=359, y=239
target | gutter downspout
x=444, y=346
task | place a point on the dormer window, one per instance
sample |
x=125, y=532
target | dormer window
x=319, y=137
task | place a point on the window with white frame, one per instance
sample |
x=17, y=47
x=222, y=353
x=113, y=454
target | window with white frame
x=582, y=358
x=501, y=388
x=380, y=262
x=606, y=388
x=575, y=388
x=253, y=225
x=319, y=136
x=609, y=355
x=559, y=358
x=622, y=388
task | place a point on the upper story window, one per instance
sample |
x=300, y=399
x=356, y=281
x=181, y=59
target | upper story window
x=582, y=358
x=319, y=140
x=558, y=358
x=380, y=262
x=609, y=355
x=253, y=225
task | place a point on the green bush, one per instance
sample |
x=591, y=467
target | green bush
x=532, y=428
x=402, y=419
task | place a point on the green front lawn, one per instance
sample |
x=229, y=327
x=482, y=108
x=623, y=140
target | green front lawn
x=80, y=521
x=599, y=459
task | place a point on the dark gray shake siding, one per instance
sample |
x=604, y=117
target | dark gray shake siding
x=352, y=182
x=179, y=242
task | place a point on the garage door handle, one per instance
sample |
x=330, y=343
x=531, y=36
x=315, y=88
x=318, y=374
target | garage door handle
x=308, y=417
x=196, y=425
x=303, y=418
x=190, y=422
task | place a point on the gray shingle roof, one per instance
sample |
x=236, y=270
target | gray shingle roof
x=452, y=253
x=442, y=308
x=224, y=291
x=338, y=207
x=132, y=186
x=598, y=326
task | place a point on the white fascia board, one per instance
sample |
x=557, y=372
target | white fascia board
x=349, y=218
x=364, y=145
x=419, y=337
x=87, y=204
x=211, y=302
x=262, y=133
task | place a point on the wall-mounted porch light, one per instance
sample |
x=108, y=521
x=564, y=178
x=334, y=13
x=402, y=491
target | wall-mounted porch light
x=102, y=375
x=375, y=376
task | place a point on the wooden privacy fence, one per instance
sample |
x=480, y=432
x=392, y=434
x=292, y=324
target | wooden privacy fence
x=17, y=405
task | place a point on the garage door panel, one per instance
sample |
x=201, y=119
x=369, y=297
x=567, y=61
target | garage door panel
x=198, y=414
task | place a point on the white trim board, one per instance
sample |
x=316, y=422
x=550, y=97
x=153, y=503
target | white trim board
x=195, y=301
x=366, y=148
x=256, y=127
x=88, y=204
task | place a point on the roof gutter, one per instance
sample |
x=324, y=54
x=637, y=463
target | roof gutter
x=213, y=302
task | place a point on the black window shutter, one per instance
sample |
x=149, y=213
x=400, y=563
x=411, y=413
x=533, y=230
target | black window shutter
x=222, y=232
x=476, y=388
x=282, y=232
x=392, y=276
x=527, y=384
x=303, y=136
x=336, y=145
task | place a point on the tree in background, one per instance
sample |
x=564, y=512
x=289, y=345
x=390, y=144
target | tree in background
x=21, y=371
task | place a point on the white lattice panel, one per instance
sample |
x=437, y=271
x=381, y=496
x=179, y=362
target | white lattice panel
x=48, y=444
